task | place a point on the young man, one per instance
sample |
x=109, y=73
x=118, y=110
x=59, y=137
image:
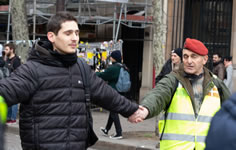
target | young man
x=12, y=61
x=111, y=75
x=190, y=96
x=51, y=90
x=218, y=66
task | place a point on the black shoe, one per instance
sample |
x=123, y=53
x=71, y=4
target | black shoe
x=104, y=131
x=116, y=137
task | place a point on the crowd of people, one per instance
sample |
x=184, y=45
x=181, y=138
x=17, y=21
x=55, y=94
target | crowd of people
x=53, y=94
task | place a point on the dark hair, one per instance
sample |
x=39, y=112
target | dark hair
x=54, y=23
x=11, y=46
x=217, y=54
x=228, y=58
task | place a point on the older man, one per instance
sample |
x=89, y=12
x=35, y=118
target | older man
x=190, y=97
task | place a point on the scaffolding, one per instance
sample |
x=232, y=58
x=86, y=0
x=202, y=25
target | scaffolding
x=131, y=13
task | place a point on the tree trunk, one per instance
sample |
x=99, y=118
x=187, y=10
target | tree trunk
x=159, y=38
x=20, y=28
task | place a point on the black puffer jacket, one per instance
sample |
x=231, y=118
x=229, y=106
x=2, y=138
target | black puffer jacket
x=53, y=110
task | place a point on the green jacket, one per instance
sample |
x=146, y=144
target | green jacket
x=111, y=75
x=160, y=97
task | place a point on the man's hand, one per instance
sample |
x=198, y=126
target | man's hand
x=139, y=115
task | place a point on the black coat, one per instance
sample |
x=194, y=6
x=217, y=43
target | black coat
x=53, y=110
x=222, y=132
x=166, y=69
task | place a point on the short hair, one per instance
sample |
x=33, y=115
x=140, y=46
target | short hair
x=54, y=23
x=11, y=46
x=217, y=54
x=228, y=58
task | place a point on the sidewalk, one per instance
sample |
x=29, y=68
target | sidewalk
x=135, y=136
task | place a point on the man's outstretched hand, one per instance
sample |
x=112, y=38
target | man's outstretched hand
x=139, y=115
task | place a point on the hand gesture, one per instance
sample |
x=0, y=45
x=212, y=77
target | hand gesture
x=139, y=115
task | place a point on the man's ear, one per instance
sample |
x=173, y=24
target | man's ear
x=51, y=37
x=205, y=59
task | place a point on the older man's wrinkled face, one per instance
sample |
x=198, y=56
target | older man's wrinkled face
x=193, y=63
x=175, y=58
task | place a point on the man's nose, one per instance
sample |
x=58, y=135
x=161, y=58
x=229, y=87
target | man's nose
x=189, y=60
x=75, y=36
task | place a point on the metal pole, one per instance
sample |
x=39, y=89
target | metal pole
x=118, y=26
x=114, y=24
x=9, y=19
x=34, y=20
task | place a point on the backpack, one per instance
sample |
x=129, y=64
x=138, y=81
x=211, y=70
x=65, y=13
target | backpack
x=123, y=84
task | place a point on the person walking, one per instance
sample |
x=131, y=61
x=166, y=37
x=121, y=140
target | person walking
x=111, y=75
x=13, y=62
x=189, y=96
x=171, y=64
x=53, y=93
x=218, y=66
x=229, y=73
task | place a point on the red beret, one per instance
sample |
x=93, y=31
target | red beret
x=195, y=46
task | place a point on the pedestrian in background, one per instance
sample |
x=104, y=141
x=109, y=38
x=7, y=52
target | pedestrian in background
x=111, y=75
x=172, y=64
x=4, y=72
x=229, y=73
x=189, y=96
x=51, y=90
x=218, y=66
x=13, y=62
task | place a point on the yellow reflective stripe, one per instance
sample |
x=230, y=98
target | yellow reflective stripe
x=183, y=137
x=200, y=139
x=202, y=118
x=178, y=137
x=175, y=116
x=3, y=110
x=186, y=117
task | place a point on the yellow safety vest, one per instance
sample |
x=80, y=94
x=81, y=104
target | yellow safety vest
x=183, y=131
x=3, y=110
